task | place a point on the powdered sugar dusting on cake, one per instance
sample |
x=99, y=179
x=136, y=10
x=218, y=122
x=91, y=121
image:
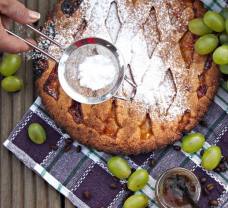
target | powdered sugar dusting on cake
x=138, y=31
x=139, y=59
x=112, y=22
x=150, y=82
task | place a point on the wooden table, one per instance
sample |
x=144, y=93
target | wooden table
x=20, y=187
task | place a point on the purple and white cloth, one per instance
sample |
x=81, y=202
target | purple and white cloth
x=75, y=172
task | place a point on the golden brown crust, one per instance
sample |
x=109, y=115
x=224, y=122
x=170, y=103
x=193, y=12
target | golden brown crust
x=115, y=126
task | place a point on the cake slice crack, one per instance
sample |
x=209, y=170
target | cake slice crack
x=76, y=112
x=81, y=28
x=171, y=77
x=146, y=127
x=112, y=22
x=51, y=86
x=186, y=44
x=151, y=32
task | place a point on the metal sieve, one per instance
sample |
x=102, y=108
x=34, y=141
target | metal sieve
x=82, y=49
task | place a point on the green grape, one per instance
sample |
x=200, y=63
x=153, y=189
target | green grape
x=192, y=142
x=12, y=84
x=136, y=201
x=223, y=38
x=197, y=27
x=37, y=133
x=224, y=68
x=10, y=64
x=214, y=21
x=206, y=44
x=138, y=180
x=220, y=55
x=224, y=13
x=226, y=23
x=211, y=158
x=119, y=167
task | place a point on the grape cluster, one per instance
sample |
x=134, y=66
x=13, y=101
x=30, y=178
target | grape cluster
x=9, y=65
x=212, y=30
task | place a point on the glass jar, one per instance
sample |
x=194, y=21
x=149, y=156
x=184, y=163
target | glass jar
x=164, y=196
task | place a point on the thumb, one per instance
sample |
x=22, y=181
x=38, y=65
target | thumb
x=18, y=12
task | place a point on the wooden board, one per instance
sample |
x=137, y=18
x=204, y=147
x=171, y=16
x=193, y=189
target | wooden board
x=19, y=186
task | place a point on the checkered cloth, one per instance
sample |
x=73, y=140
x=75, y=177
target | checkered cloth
x=216, y=5
x=74, y=172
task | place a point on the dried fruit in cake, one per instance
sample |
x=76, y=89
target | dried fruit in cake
x=76, y=112
x=51, y=86
x=202, y=90
x=39, y=65
x=208, y=63
x=70, y=6
x=67, y=7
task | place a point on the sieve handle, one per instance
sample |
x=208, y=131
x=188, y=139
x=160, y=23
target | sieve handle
x=133, y=93
x=44, y=36
x=33, y=45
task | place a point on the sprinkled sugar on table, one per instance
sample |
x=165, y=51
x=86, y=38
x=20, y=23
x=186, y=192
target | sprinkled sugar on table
x=53, y=162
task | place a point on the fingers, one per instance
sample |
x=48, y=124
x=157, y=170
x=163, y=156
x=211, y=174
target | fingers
x=18, y=12
x=11, y=44
x=13, y=9
x=31, y=41
x=6, y=22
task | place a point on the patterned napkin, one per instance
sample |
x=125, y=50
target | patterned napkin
x=216, y=5
x=81, y=174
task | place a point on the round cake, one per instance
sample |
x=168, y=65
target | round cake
x=175, y=85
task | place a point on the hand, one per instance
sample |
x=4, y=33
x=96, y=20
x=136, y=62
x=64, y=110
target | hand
x=14, y=10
